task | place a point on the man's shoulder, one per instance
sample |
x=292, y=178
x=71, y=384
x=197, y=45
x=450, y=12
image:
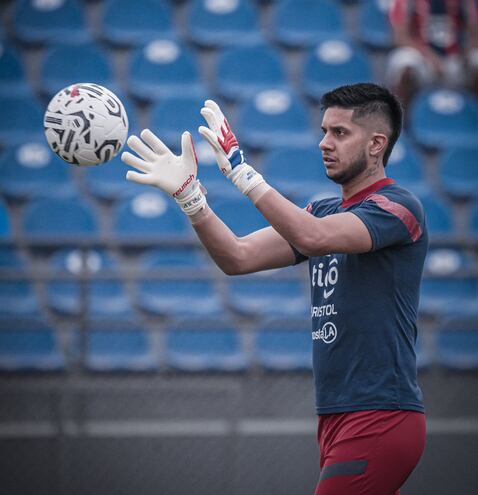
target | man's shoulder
x=393, y=196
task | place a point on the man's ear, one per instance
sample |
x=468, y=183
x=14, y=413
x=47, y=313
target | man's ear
x=378, y=145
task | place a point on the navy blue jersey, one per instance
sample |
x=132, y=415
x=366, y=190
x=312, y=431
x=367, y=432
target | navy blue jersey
x=364, y=306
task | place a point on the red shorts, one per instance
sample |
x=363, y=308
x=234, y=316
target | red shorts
x=368, y=452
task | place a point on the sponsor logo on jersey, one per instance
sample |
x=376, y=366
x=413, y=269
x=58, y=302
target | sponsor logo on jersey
x=327, y=334
x=325, y=310
x=326, y=278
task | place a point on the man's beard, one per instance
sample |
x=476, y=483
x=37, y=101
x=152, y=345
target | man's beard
x=352, y=171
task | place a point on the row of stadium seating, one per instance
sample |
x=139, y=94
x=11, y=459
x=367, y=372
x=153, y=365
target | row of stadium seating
x=123, y=346
x=439, y=119
x=30, y=170
x=240, y=72
x=151, y=216
x=209, y=23
x=181, y=284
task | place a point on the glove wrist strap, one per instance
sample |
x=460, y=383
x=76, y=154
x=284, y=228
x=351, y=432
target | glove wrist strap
x=245, y=178
x=193, y=199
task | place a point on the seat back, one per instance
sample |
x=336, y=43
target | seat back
x=443, y=118
x=302, y=23
x=274, y=118
x=55, y=21
x=152, y=19
x=244, y=71
x=217, y=23
x=162, y=69
x=332, y=63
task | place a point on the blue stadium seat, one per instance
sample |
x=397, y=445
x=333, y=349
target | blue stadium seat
x=244, y=71
x=438, y=216
x=284, y=349
x=5, y=225
x=13, y=80
x=35, y=348
x=266, y=297
x=406, y=167
x=65, y=64
x=10, y=259
x=449, y=296
x=473, y=224
x=303, y=23
x=374, y=29
x=458, y=172
x=64, y=296
x=152, y=19
x=108, y=299
x=61, y=21
x=457, y=344
x=297, y=172
x=332, y=63
x=172, y=116
x=179, y=298
x=55, y=219
x=22, y=120
x=128, y=349
x=443, y=118
x=444, y=262
x=196, y=350
x=214, y=23
x=163, y=69
x=173, y=258
x=149, y=215
x=18, y=300
x=108, y=181
x=274, y=118
x=239, y=215
x=32, y=170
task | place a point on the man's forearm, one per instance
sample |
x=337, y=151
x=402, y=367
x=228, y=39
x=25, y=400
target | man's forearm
x=294, y=224
x=221, y=243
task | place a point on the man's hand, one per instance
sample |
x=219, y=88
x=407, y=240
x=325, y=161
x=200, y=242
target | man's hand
x=229, y=156
x=175, y=175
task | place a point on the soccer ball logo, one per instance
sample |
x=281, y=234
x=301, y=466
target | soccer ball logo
x=86, y=124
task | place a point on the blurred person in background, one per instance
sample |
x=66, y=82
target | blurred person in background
x=436, y=43
x=366, y=252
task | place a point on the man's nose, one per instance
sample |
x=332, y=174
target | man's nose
x=325, y=143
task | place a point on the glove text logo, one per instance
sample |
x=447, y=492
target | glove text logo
x=185, y=184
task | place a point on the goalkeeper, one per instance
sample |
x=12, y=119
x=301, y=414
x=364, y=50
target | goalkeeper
x=365, y=252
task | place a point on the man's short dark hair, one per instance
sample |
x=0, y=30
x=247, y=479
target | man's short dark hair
x=368, y=99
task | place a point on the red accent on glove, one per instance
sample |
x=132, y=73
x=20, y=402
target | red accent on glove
x=229, y=140
x=185, y=184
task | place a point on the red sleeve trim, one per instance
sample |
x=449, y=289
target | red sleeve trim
x=401, y=212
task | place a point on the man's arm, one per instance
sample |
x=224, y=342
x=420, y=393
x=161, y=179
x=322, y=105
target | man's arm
x=312, y=236
x=262, y=250
x=176, y=176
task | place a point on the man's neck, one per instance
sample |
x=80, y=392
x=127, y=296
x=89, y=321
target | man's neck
x=361, y=182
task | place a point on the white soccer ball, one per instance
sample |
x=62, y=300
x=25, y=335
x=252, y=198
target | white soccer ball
x=86, y=124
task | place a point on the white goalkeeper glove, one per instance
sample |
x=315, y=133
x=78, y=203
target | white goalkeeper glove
x=175, y=175
x=229, y=156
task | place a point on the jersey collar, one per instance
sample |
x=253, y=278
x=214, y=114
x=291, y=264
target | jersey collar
x=361, y=195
